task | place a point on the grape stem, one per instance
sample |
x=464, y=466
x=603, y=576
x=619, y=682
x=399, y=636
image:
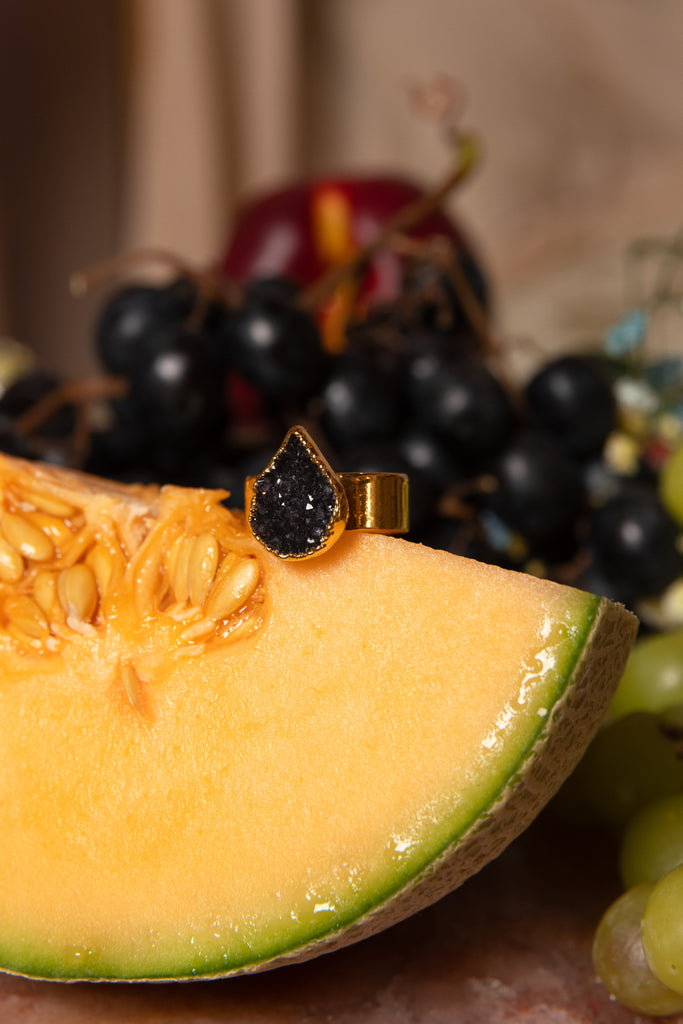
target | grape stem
x=83, y=281
x=439, y=251
x=76, y=392
x=467, y=152
x=572, y=571
x=210, y=284
x=456, y=501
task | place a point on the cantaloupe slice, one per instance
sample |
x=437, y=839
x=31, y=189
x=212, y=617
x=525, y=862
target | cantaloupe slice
x=214, y=761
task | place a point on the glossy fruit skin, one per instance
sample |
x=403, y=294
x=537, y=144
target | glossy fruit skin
x=462, y=403
x=131, y=314
x=671, y=485
x=358, y=401
x=636, y=541
x=653, y=679
x=538, y=494
x=427, y=456
x=630, y=763
x=175, y=389
x=620, y=960
x=652, y=843
x=662, y=930
x=275, y=345
x=275, y=234
x=571, y=400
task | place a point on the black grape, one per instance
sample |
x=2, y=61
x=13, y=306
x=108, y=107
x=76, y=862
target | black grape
x=358, y=401
x=462, y=402
x=636, y=542
x=571, y=400
x=539, y=495
x=175, y=390
x=276, y=346
x=132, y=313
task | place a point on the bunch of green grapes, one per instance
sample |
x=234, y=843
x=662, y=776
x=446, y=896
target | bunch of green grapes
x=632, y=779
x=638, y=946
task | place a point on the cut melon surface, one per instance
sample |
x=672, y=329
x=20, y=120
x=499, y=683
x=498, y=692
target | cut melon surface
x=228, y=761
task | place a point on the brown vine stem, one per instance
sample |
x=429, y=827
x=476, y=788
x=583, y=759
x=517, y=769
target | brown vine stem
x=467, y=153
x=75, y=392
x=83, y=281
x=474, y=311
x=209, y=282
x=439, y=251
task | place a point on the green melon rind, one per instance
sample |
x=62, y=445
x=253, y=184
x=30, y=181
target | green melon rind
x=583, y=696
x=583, y=689
x=451, y=830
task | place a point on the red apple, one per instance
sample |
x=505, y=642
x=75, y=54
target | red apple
x=305, y=229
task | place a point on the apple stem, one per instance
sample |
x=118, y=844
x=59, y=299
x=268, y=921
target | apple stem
x=467, y=152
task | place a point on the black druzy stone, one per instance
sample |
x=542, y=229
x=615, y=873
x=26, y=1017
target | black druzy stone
x=295, y=503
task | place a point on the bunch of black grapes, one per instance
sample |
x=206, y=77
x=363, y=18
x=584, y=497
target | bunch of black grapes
x=512, y=475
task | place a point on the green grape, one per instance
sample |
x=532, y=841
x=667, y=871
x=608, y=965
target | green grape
x=652, y=843
x=630, y=763
x=662, y=930
x=670, y=485
x=620, y=961
x=653, y=678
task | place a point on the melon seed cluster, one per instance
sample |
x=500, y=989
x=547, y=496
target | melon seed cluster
x=63, y=565
x=202, y=577
x=48, y=587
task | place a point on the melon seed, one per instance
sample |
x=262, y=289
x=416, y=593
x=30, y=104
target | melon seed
x=28, y=539
x=179, y=568
x=55, y=528
x=11, y=563
x=131, y=684
x=77, y=590
x=233, y=588
x=49, y=503
x=101, y=561
x=25, y=614
x=201, y=567
x=45, y=594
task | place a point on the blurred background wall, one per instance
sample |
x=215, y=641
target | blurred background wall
x=142, y=122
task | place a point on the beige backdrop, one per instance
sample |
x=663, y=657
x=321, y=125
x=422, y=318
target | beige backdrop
x=134, y=122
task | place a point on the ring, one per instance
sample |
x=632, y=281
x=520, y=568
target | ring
x=298, y=507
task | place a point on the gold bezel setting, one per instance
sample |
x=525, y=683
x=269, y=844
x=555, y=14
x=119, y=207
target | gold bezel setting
x=298, y=507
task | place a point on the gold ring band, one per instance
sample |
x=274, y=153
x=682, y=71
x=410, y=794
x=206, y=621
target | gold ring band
x=298, y=507
x=378, y=502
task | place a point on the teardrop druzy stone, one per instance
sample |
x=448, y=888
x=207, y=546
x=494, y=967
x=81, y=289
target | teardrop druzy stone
x=296, y=500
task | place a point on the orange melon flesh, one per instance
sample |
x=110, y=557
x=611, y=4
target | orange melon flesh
x=392, y=717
